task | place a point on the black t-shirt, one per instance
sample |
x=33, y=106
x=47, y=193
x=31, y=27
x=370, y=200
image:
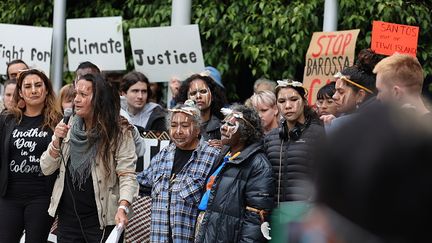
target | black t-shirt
x=27, y=143
x=84, y=200
x=181, y=157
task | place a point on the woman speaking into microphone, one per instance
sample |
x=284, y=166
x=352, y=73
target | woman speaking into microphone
x=96, y=156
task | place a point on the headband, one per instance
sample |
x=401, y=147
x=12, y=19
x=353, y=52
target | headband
x=237, y=114
x=288, y=82
x=344, y=78
x=187, y=108
x=291, y=83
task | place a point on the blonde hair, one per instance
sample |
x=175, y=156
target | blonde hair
x=67, y=93
x=402, y=69
x=265, y=97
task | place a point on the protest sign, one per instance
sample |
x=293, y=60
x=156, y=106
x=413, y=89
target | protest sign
x=163, y=52
x=388, y=38
x=98, y=40
x=328, y=54
x=29, y=43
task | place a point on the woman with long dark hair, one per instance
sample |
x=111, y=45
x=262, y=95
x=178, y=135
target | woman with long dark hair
x=355, y=89
x=26, y=130
x=209, y=98
x=96, y=158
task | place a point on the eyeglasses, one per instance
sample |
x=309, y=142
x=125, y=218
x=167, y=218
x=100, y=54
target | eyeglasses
x=193, y=93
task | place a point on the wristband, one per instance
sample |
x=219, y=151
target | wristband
x=125, y=208
x=54, y=148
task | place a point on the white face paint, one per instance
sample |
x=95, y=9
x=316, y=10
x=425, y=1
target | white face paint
x=229, y=127
x=182, y=131
x=200, y=93
x=291, y=105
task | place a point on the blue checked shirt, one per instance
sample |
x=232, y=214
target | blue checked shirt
x=177, y=206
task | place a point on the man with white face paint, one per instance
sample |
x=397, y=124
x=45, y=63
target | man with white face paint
x=240, y=190
x=176, y=177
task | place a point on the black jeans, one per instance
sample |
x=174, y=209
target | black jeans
x=24, y=213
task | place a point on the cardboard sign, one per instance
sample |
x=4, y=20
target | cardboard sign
x=388, y=38
x=163, y=52
x=29, y=43
x=98, y=40
x=328, y=54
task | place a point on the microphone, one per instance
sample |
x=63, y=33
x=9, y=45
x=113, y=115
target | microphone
x=66, y=116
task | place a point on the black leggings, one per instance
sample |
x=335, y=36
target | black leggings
x=27, y=213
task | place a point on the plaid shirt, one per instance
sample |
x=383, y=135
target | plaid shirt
x=177, y=206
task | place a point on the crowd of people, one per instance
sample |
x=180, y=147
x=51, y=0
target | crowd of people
x=352, y=167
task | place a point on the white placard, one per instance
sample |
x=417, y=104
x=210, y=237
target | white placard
x=97, y=40
x=29, y=43
x=163, y=52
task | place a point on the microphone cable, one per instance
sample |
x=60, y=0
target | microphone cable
x=71, y=193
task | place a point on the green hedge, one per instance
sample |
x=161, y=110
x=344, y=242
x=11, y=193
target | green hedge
x=259, y=38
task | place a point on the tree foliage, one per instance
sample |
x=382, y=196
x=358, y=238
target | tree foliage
x=244, y=39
